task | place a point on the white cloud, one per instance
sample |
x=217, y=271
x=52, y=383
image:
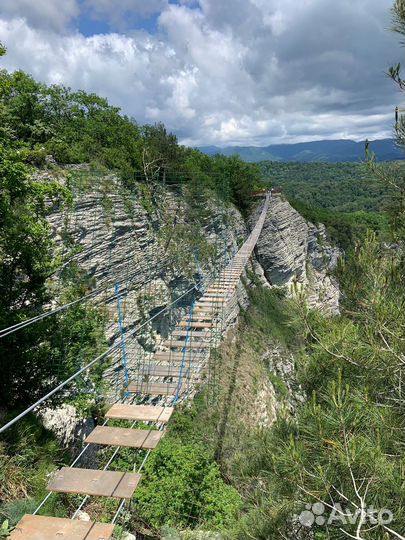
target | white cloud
x=45, y=14
x=229, y=72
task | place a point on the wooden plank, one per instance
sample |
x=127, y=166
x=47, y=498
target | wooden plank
x=101, y=531
x=87, y=482
x=116, y=436
x=153, y=439
x=50, y=528
x=145, y=413
x=127, y=486
x=161, y=371
x=216, y=289
x=203, y=316
x=190, y=344
x=192, y=334
x=190, y=356
x=195, y=324
x=170, y=368
x=153, y=389
x=166, y=414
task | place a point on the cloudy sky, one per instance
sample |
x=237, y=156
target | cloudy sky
x=224, y=72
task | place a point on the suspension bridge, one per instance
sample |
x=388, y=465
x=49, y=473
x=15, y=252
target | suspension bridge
x=146, y=399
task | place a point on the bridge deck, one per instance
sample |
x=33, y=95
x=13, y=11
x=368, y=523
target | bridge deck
x=153, y=389
x=53, y=528
x=126, y=437
x=93, y=482
x=146, y=413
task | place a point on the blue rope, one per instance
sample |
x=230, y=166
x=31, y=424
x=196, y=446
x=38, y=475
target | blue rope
x=200, y=288
x=184, y=351
x=124, y=353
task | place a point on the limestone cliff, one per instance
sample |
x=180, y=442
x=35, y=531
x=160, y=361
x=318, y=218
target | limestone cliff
x=143, y=242
x=114, y=237
x=292, y=250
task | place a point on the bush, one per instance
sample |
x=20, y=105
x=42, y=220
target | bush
x=183, y=488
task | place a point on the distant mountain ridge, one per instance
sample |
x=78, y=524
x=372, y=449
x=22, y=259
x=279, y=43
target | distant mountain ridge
x=316, y=151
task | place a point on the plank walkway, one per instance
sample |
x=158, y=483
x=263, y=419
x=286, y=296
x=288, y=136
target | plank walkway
x=94, y=482
x=53, y=528
x=125, y=437
x=192, y=356
x=146, y=413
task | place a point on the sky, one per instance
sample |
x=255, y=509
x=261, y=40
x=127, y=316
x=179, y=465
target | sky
x=218, y=72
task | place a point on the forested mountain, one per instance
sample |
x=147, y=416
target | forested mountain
x=344, y=187
x=334, y=151
x=347, y=197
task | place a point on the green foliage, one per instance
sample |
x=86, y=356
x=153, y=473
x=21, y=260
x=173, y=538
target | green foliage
x=198, y=495
x=77, y=127
x=26, y=262
x=54, y=348
x=272, y=313
x=73, y=126
x=28, y=453
x=347, y=198
x=345, y=442
x=392, y=177
x=5, y=529
x=161, y=154
x=344, y=229
x=341, y=187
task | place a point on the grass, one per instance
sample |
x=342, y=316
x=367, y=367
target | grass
x=273, y=315
x=28, y=454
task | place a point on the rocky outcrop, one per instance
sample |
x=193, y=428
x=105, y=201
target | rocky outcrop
x=280, y=364
x=132, y=239
x=294, y=251
x=66, y=424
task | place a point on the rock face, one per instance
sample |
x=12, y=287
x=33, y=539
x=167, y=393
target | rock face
x=66, y=424
x=115, y=237
x=291, y=250
x=125, y=239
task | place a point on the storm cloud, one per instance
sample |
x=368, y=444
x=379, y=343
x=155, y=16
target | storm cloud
x=229, y=72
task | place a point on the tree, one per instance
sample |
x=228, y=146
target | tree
x=160, y=152
x=26, y=261
x=393, y=176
